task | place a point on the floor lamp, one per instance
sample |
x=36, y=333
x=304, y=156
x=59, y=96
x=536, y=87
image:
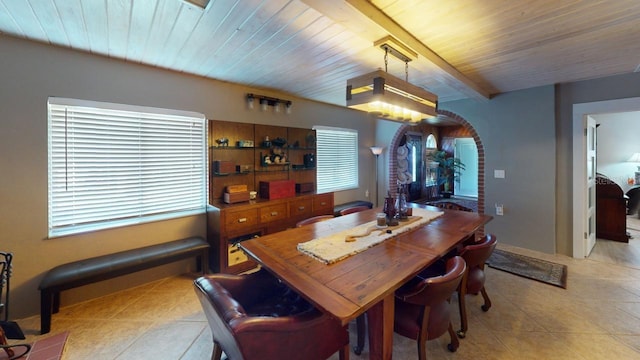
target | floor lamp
x=377, y=150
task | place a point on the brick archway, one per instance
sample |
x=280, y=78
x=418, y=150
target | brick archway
x=397, y=138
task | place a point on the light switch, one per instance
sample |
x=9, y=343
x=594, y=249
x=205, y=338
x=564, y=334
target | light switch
x=498, y=174
x=499, y=210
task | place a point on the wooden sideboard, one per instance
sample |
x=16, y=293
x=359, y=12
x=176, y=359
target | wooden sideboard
x=229, y=224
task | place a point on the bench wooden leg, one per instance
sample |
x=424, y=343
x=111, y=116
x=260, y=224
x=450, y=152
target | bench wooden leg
x=46, y=306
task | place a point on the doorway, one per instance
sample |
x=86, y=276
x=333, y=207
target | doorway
x=400, y=137
x=580, y=189
x=467, y=184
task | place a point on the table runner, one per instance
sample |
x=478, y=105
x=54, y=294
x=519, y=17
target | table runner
x=332, y=248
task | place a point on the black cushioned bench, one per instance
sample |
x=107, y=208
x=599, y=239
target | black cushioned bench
x=84, y=272
x=338, y=208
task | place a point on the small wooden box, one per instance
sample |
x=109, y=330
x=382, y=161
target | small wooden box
x=304, y=187
x=277, y=189
x=223, y=167
x=236, y=197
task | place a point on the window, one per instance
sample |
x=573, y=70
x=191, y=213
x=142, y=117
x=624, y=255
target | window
x=337, y=159
x=112, y=165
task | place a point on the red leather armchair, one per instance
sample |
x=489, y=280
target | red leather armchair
x=422, y=308
x=475, y=255
x=255, y=316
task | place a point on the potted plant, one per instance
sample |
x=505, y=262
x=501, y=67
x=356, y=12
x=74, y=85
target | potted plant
x=449, y=169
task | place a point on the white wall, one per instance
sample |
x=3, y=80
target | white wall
x=32, y=72
x=617, y=141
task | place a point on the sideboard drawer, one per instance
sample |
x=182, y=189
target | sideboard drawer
x=323, y=204
x=241, y=219
x=300, y=208
x=273, y=212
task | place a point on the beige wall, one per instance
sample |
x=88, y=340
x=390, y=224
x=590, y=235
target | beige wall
x=32, y=72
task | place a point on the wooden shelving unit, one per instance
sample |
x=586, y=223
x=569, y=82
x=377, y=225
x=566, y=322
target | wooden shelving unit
x=231, y=223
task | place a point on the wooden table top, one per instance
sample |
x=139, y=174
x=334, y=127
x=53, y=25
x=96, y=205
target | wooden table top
x=350, y=286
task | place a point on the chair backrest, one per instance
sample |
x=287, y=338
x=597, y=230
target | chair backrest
x=452, y=206
x=256, y=316
x=314, y=219
x=220, y=308
x=477, y=253
x=437, y=289
x=354, y=209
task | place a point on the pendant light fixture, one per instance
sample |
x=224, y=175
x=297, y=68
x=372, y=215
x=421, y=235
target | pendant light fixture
x=387, y=96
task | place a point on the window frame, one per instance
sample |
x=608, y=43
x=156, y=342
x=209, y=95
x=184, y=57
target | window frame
x=137, y=134
x=336, y=155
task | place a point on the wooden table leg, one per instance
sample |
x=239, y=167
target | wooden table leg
x=380, y=319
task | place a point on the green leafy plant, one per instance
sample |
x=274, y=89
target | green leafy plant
x=449, y=168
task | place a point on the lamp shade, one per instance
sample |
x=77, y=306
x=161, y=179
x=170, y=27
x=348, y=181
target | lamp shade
x=635, y=157
x=377, y=150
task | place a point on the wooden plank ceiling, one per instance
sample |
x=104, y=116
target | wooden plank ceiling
x=309, y=48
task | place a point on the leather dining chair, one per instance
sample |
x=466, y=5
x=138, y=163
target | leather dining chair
x=475, y=255
x=422, y=306
x=313, y=220
x=354, y=209
x=256, y=316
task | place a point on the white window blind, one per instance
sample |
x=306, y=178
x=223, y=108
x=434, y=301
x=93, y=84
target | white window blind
x=337, y=159
x=112, y=165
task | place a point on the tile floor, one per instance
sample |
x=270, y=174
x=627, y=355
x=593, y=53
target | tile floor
x=596, y=317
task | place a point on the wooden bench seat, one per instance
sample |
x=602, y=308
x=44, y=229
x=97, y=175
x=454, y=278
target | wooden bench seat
x=84, y=272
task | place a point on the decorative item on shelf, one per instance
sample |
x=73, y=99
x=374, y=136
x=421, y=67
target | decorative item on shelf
x=266, y=143
x=279, y=142
x=387, y=96
x=244, y=143
x=309, y=160
x=223, y=167
x=266, y=101
x=244, y=169
x=277, y=189
x=235, y=194
x=304, y=187
x=310, y=139
x=223, y=142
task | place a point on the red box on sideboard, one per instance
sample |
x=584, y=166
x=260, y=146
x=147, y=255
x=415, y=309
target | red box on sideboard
x=277, y=189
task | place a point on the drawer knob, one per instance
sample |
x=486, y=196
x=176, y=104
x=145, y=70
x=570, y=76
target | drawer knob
x=323, y=203
x=301, y=208
x=274, y=213
x=241, y=220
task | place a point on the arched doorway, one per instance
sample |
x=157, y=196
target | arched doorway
x=465, y=128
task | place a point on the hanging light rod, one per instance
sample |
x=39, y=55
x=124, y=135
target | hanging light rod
x=266, y=101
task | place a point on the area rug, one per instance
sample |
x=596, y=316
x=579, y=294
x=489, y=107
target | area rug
x=532, y=268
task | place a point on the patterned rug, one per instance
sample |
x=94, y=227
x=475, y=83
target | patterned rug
x=532, y=268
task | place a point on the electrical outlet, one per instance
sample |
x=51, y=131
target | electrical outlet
x=366, y=194
x=499, y=210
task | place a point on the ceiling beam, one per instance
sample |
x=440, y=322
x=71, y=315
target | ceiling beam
x=367, y=21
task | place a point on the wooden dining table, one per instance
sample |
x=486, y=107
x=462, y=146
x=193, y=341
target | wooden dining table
x=366, y=281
